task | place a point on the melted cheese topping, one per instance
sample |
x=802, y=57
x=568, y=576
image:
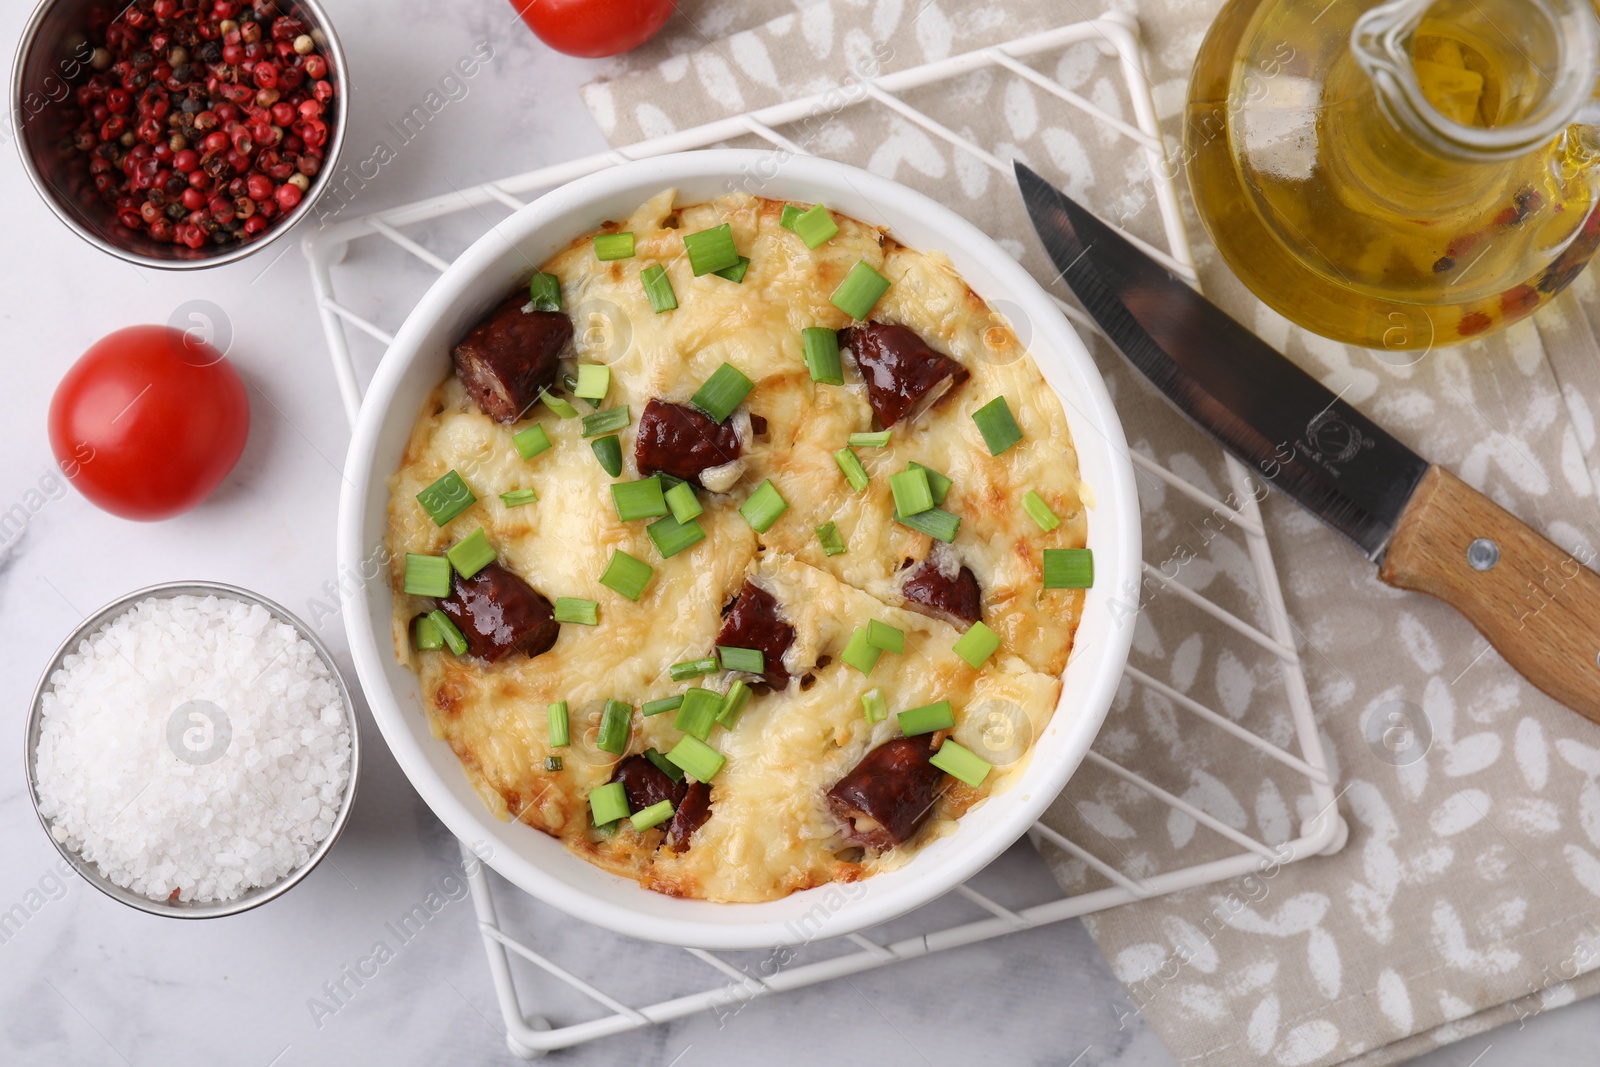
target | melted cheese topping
x=770, y=831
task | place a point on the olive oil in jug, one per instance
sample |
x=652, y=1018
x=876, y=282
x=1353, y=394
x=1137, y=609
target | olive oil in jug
x=1401, y=175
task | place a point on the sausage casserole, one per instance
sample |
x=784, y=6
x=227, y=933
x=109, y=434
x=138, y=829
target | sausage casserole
x=742, y=569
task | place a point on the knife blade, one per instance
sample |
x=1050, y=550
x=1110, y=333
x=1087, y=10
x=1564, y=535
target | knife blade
x=1536, y=603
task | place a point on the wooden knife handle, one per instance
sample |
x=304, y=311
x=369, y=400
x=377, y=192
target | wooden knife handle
x=1538, y=605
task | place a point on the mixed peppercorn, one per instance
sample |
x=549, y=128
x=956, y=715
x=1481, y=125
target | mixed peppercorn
x=204, y=121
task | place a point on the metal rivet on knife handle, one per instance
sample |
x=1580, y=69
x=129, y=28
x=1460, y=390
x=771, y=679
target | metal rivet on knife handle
x=1483, y=554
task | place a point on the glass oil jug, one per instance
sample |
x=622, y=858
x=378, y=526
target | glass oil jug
x=1400, y=175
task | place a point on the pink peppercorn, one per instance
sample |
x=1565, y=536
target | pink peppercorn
x=229, y=167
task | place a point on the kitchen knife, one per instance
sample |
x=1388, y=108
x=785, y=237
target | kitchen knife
x=1536, y=603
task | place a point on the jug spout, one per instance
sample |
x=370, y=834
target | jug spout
x=1482, y=80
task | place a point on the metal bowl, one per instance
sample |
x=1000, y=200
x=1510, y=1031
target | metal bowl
x=49, y=63
x=178, y=909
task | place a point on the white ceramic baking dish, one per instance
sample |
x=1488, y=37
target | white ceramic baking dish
x=419, y=360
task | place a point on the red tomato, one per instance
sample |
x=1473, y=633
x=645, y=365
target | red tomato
x=595, y=28
x=148, y=422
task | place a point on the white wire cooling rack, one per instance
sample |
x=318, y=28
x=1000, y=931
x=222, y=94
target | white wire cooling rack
x=531, y=1035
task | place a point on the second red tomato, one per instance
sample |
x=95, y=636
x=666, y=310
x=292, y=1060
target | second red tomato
x=595, y=28
x=148, y=422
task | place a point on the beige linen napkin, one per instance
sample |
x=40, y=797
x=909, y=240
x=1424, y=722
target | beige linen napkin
x=1469, y=892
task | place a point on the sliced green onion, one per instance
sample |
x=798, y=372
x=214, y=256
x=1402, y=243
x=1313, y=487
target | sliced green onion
x=790, y=213
x=733, y=702
x=816, y=227
x=615, y=722
x=912, y=493
x=976, y=645
x=627, y=575
x=608, y=450
x=860, y=653
x=654, y=815
x=668, y=481
x=571, y=384
x=1000, y=431
x=447, y=498
x=821, y=346
x=735, y=273
x=658, y=707
x=545, y=291
x=427, y=575
x=698, y=712
x=638, y=500
x=682, y=502
x=937, y=482
x=426, y=634
x=854, y=472
x=749, y=660
x=692, y=668
x=764, y=507
x=556, y=404
x=658, y=288
x=1068, y=568
x=860, y=291
x=698, y=758
x=560, y=729
x=1039, y=511
x=882, y=635
x=722, y=392
x=711, y=250
x=871, y=440
x=927, y=719
x=961, y=762
x=519, y=497
x=575, y=609
x=449, y=631
x=594, y=381
x=664, y=765
x=832, y=543
x=532, y=441
x=937, y=523
x=606, y=421
x=873, y=704
x=553, y=763
x=671, y=536
x=608, y=246
x=471, y=554
x=608, y=803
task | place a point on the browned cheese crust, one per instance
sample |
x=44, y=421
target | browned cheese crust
x=771, y=830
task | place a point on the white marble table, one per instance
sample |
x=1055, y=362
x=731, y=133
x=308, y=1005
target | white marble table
x=86, y=981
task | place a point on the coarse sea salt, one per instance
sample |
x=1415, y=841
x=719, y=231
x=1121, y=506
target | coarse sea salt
x=193, y=748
